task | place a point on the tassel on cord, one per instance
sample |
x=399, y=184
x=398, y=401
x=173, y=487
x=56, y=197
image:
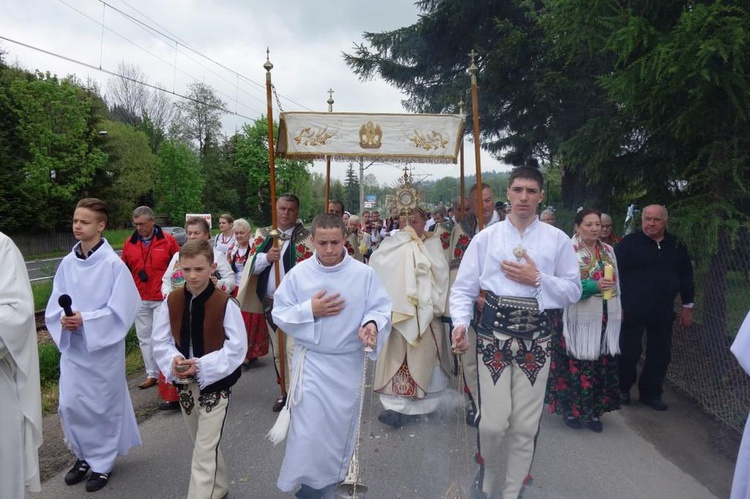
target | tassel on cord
x=278, y=432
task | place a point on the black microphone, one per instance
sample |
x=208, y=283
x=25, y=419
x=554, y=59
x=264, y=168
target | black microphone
x=65, y=301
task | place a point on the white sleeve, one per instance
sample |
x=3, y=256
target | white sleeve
x=260, y=264
x=166, y=279
x=227, y=281
x=163, y=343
x=465, y=289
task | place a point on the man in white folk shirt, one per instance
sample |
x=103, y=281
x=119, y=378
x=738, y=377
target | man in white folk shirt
x=259, y=284
x=523, y=267
x=21, y=407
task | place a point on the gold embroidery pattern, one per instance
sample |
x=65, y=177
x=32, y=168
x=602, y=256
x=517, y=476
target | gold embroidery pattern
x=313, y=137
x=429, y=140
x=370, y=136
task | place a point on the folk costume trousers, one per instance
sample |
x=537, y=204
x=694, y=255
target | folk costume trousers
x=512, y=379
x=204, y=417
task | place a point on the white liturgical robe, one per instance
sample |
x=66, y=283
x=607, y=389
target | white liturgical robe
x=325, y=412
x=741, y=482
x=21, y=406
x=95, y=407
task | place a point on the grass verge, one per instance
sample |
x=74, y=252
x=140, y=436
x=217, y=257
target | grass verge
x=49, y=369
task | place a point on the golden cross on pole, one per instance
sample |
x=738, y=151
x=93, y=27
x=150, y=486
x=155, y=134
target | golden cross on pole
x=330, y=100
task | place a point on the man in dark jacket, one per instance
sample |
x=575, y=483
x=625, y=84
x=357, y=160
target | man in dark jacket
x=653, y=267
x=147, y=254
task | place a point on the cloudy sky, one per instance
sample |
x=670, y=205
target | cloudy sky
x=306, y=40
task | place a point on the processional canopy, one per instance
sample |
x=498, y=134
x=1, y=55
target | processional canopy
x=414, y=138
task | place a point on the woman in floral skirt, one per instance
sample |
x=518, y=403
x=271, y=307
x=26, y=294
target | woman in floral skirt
x=583, y=382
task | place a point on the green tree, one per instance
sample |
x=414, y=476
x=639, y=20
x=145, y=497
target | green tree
x=129, y=172
x=251, y=157
x=199, y=116
x=54, y=131
x=179, y=184
x=351, y=190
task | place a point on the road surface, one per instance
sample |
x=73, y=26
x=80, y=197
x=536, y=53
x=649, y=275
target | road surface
x=640, y=454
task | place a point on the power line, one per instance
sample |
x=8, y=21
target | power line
x=152, y=54
x=112, y=73
x=174, y=38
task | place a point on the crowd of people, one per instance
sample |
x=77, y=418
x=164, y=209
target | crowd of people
x=531, y=315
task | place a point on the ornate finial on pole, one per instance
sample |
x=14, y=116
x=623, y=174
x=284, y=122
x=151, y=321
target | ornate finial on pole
x=473, y=67
x=330, y=100
x=268, y=66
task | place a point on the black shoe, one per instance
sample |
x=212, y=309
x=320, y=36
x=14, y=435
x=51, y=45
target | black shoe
x=571, y=422
x=390, y=418
x=279, y=404
x=655, y=403
x=169, y=406
x=471, y=417
x=595, y=425
x=77, y=472
x=97, y=481
x=624, y=397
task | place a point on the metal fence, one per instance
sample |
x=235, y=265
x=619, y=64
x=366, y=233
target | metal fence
x=702, y=364
x=42, y=244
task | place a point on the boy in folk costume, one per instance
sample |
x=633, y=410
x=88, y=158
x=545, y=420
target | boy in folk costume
x=199, y=343
x=329, y=334
x=95, y=408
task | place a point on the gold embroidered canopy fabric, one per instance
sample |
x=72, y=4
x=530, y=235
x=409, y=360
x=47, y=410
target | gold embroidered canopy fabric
x=417, y=138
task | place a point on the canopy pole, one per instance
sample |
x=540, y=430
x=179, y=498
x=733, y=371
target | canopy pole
x=477, y=149
x=274, y=227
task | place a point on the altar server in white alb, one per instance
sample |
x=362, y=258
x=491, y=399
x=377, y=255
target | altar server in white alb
x=741, y=482
x=95, y=408
x=21, y=406
x=523, y=267
x=333, y=306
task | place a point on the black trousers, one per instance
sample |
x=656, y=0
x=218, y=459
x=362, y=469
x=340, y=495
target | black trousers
x=658, y=329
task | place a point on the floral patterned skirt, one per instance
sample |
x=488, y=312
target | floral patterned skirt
x=583, y=389
x=257, y=335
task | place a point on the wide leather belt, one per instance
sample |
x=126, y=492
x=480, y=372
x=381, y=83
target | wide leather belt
x=267, y=309
x=513, y=316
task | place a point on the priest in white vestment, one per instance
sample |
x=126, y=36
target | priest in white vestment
x=21, y=407
x=331, y=304
x=741, y=482
x=413, y=370
x=95, y=407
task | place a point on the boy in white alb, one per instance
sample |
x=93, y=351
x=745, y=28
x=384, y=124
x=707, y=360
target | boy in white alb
x=329, y=333
x=95, y=408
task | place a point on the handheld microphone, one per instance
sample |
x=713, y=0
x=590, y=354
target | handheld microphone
x=65, y=301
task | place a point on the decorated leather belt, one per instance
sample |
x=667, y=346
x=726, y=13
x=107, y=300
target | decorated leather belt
x=513, y=316
x=267, y=309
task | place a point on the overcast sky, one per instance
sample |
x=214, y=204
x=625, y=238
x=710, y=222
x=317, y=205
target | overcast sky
x=306, y=40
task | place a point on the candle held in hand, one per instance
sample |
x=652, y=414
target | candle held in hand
x=609, y=271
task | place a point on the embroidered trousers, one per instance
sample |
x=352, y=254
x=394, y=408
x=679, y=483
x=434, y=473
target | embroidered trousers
x=512, y=378
x=204, y=417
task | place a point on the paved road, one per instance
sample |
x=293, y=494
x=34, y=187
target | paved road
x=421, y=461
x=41, y=270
